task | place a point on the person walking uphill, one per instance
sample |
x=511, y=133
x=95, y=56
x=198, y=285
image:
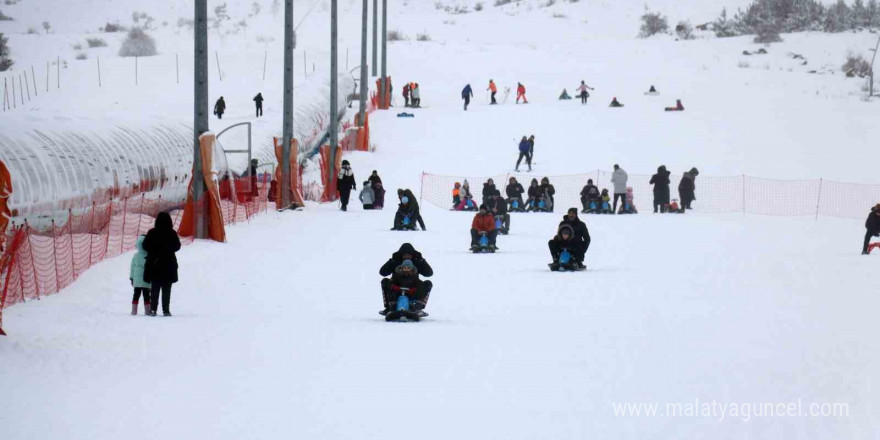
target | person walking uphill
x=521, y=93
x=661, y=189
x=619, y=178
x=467, y=93
x=524, y=148
x=258, y=100
x=160, y=269
x=492, y=88
x=345, y=183
x=136, y=276
x=872, y=226
x=220, y=108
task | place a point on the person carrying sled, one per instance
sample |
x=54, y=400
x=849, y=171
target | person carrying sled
x=678, y=107
x=220, y=108
x=872, y=227
x=406, y=94
x=405, y=266
x=494, y=89
x=483, y=224
x=521, y=93
x=687, y=188
x=590, y=197
x=405, y=218
x=577, y=244
x=413, y=201
x=661, y=189
x=583, y=93
x=514, y=192
x=258, y=101
x=345, y=183
x=524, y=147
x=615, y=103
x=467, y=93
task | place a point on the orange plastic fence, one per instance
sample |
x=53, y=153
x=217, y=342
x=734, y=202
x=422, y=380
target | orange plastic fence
x=42, y=261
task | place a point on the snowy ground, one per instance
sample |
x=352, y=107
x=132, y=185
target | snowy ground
x=275, y=333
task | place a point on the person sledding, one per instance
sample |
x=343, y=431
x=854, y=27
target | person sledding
x=483, y=232
x=498, y=207
x=534, y=194
x=678, y=107
x=628, y=207
x=514, y=193
x=488, y=190
x=615, y=103
x=570, y=244
x=401, y=193
x=405, y=218
x=564, y=96
x=605, y=206
x=548, y=193
x=405, y=266
x=590, y=198
x=872, y=229
x=652, y=91
x=583, y=93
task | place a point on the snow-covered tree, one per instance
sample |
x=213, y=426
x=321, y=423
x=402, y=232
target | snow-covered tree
x=724, y=27
x=5, y=62
x=838, y=18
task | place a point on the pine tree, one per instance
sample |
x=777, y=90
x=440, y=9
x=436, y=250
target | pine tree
x=873, y=12
x=5, y=62
x=723, y=27
x=838, y=18
x=860, y=17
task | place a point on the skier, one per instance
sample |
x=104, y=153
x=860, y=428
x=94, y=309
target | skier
x=345, y=183
x=136, y=276
x=583, y=93
x=258, y=100
x=590, y=197
x=220, y=108
x=160, y=269
x=524, y=147
x=577, y=245
x=521, y=93
x=467, y=93
x=564, y=95
x=415, y=96
x=492, y=88
x=619, y=178
x=415, y=265
x=615, y=103
x=412, y=200
x=514, y=193
x=872, y=227
x=686, y=188
x=406, y=94
x=678, y=107
x=483, y=224
x=488, y=190
x=661, y=189
x=367, y=196
x=405, y=218
x=548, y=192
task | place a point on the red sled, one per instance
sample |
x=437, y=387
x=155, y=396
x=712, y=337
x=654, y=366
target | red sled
x=872, y=246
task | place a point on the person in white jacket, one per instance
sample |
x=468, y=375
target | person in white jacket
x=619, y=178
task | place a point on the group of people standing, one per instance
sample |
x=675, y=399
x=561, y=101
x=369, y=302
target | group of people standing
x=412, y=95
x=686, y=190
x=154, y=267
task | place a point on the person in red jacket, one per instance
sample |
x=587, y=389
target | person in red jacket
x=483, y=224
x=521, y=93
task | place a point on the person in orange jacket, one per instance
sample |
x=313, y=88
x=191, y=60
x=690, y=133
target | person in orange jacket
x=492, y=88
x=521, y=93
x=483, y=224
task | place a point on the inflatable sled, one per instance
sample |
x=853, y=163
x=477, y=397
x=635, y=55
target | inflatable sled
x=404, y=311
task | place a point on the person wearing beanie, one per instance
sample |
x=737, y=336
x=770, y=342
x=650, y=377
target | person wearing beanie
x=872, y=227
x=405, y=266
x=483, y=224
x=589, y=195
x=345, y=183
x=580, y=240
x=687, y=188
x=367, y=196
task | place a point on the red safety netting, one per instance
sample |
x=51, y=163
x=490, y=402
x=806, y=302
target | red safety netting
x=43, y=260
x=745, y=194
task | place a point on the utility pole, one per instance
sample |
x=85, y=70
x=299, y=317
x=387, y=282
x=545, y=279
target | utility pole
x=375, y=37
x=288, y=104
x=871, y=87
x=363, y=108
x=333, y=92
x=200, y=113
x=384, y=79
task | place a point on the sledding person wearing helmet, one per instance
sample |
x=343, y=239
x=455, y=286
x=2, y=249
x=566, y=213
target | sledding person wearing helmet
x=576, y=243
x=405, y=266
x=405, y=218
x=483, y=226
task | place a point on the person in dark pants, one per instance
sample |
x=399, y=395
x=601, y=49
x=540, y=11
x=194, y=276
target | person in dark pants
x=514, y=192
x=687, y=188
x=467, y=93
x=661, y=189
x=136, y=276
x=564, y=240
x=483, y=224
x=494, y=89
x=619, y=178
x=160, y=270
x=580, y=240
x=345, y=183
x=524, y=147
x=220, y=108
x=420, y=290
x=872, y=226
x=258, y=100
x=415, y=204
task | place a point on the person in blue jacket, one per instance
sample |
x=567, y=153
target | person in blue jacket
x=467, y=94
x=525, y=148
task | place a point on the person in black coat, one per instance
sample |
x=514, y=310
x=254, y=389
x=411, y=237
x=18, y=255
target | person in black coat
x=160, y=269
x=661, y=189
x=579, y=242
x=258, y=100
x=420, y=290
x=220, y=108
x=414, y=203
x=590, y=193
x=872, y=226
x=515, y=192
x=488, y=190
x=547, y=190
x=345, y=183
x=687, y=188
x=499, y=210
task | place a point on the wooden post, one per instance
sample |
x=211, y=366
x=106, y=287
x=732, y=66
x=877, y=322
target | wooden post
x=27, y=86
x=14, y=105
x=20, y=89
x=217, y=58
x=265, y=58
x=34, y=80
